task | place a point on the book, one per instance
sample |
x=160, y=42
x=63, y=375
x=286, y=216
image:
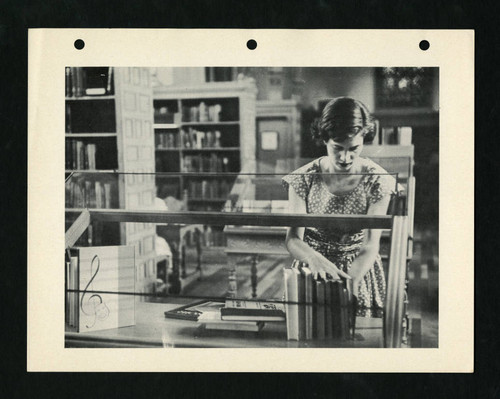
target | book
x=344, y=313
x=99, y=270
x=328, y=309
x=235, y=326
x=291, y=309
x=335, y=309
x=308, y=292
x=91, y=149
x=249, y=310
x=301, y=300
x=320, y=308
x=211, y=317
x=69, y=88
x=193, y=310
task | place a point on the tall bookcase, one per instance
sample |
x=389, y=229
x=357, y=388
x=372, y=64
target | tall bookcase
x=109, y=127
x=201, y=131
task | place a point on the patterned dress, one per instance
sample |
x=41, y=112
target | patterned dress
x=342, y=246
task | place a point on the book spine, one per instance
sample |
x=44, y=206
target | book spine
x=98, y=195
x=68, y=118
x=79, y=153
x=69, y=88
x=91, y=149
x=78, y=84
x=308, y=289
x=320, y=309
x=337, y=328
x=328, y=309
x=107, y=195
x=345, y=313
x=301, y=300
x=109, y=85
x=291, y=310
x=67, y=156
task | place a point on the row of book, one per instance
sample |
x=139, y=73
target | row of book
x=317, y=308
x=89, y=81
x=201, y=113
x=395, y=135
x=191, y=139
x=206, y=163
x=196, y=139
x=166, y=140
x=80, y=156
x=214, y=188
x=86, y=193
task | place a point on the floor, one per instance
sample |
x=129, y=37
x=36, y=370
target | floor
x=422, y=287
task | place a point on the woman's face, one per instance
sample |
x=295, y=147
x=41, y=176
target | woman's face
x=343, y=155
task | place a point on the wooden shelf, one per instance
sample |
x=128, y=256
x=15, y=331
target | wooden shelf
x=207, y=199
x=90, y=98
x=206, y=149
x=76, y=135
x=210, y=123
x=213, y=175
x=167, y=149
x=165, y=126
x=212, y=149
x=90, y=171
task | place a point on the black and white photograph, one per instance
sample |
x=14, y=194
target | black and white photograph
x=248, y=143
x=251, y=207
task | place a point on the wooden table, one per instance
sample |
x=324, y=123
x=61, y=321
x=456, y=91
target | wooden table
x=253, y=241
x=152, y=329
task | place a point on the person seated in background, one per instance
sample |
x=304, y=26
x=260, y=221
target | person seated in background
x=342, y=182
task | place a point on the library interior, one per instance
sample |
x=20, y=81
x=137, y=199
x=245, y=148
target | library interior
x=191, y=195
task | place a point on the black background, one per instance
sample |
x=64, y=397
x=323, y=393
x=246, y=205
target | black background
x=17, y=16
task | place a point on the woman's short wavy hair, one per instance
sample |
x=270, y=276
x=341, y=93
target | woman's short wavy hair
x=343, y=118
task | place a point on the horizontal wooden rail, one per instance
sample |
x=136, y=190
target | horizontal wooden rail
x=347, y=222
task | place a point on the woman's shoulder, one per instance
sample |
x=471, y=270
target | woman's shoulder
x=371, y=167
x=308, y=168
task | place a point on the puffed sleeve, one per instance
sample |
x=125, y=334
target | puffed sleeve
x=300, y=180
x=382, y=185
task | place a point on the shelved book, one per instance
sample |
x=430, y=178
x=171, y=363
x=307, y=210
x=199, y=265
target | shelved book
x=241, y=310
x=89, y=81
x=80, y=156
x=317, y=308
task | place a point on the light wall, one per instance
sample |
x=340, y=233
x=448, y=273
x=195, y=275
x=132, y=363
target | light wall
x=325, y=83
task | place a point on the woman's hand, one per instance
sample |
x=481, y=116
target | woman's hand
x=320, y=266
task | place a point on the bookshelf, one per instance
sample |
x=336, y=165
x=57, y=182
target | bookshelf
x=109, y=128
x=200, y=132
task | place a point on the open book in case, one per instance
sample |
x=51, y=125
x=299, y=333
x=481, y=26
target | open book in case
x=233, y=252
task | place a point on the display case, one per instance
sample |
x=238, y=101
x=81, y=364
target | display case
x=241, y=261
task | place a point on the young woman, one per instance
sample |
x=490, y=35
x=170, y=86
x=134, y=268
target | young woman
x=342, y=183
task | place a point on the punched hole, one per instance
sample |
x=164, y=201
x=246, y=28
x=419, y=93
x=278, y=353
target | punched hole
x=79, y=44
x=252, y=44
x=424, y=45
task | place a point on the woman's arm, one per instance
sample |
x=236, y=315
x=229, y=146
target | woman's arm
x=364, y=261
x=318, y=264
